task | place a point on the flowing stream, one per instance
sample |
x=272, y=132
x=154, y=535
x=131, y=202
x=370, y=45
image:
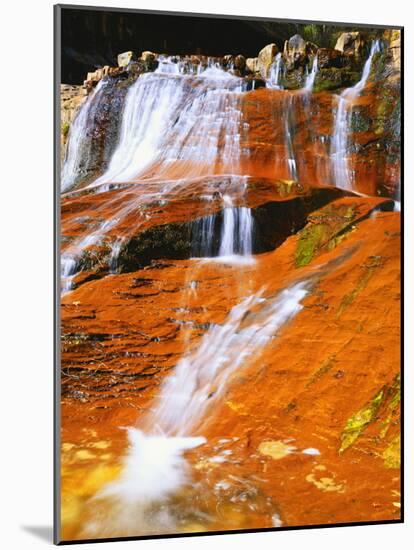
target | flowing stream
x=155, y=468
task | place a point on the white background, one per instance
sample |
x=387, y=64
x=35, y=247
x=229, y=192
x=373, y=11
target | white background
x=26, y=272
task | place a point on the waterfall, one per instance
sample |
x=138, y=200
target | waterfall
x=274, y=75
x=154, y=467
x=339, y=147
x=115, y=251
x=291, y=160
x=79, y=143
x=310, y=79
x=360, y=85
x=177, y=127
x=237, y=229
x=225, y=237
x=69, y=261
x=176, y=122
x=166, y=65
x=203, y=236
x=151, y=107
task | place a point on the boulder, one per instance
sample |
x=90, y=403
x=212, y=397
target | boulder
x=265, y=59
x=228, y=61
x=125, y=58
x=296, y=52
x=252, y=64
x=328, y=57
x=350, y=43
x=148, y=56
x=240, y=63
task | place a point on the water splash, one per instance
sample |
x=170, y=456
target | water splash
x=154, y=467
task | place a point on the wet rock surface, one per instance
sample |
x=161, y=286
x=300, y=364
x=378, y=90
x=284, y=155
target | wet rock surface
x=231, y=222
x=116, y=352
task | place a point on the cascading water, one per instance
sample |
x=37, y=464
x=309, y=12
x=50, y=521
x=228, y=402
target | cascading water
x=151, y=107
x=69, y=261
x=291, y=160
x=274, y=76
x=79, y=145
x=200, y=378
x=176, y=122
x=155, y=467
x=186, y=126
x=342, y=175
x=179, y=170
x=310, y=79
x=237, y=230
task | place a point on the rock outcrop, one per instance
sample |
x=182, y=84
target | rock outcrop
x=296, y=52
x=328, y=58
x=265, y=59
x=350, y=43
x=125, y=58
x=252, y=64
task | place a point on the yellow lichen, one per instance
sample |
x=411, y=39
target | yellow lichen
x=275, y=449
x=392, y=454
x=326, y=484
x=357, y=423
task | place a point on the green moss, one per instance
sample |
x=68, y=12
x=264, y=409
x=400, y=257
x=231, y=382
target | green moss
x=310, y=240
x=65, y=129
x=357, y=423
x=333, y=78
x=323, y=231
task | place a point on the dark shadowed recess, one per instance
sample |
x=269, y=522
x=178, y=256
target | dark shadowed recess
x=92, y=39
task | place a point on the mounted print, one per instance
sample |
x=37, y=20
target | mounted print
x=228, y=290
